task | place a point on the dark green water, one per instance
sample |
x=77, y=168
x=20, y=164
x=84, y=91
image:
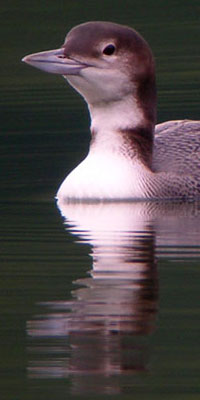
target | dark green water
x=106, y=304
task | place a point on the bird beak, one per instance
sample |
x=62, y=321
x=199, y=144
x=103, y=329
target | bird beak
x=55, y=62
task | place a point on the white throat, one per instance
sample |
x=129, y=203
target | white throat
x=109, y=118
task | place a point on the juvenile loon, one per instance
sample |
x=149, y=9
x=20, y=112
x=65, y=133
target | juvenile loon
x=112, y=67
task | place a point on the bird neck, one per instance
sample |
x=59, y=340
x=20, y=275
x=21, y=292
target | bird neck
x=121, y=127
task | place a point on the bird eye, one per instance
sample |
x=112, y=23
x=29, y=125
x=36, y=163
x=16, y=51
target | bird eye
x=109, y=50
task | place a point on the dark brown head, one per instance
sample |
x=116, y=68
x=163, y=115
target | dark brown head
x=105, y=62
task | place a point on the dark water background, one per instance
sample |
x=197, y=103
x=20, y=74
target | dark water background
x=129, y=327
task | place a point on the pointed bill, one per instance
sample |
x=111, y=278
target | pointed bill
x=55, y=62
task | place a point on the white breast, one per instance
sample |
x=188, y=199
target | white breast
x=103, y=175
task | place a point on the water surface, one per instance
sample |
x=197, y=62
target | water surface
x=98, y=299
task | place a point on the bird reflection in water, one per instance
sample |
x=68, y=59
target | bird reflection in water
x=102, y=332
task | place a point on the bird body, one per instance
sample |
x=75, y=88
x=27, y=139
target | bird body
x=112, y=67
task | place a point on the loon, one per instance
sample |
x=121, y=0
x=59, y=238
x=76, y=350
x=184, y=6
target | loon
x=129, y=157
